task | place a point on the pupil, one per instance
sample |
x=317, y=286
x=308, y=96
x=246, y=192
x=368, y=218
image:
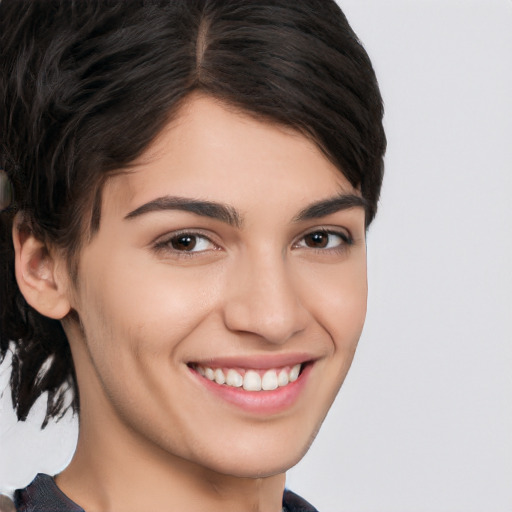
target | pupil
x=184, y=243
x=317, y=239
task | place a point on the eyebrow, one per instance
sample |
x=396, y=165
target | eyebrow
x=331, y=205
x=210, y=209
x=229, y=215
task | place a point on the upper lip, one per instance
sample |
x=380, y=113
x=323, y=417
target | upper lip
x=259, y=362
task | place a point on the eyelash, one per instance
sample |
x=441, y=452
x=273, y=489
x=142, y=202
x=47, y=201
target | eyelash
x=167, y=244
x=345, y=240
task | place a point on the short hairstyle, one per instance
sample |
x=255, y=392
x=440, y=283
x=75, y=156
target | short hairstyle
x=85, y=87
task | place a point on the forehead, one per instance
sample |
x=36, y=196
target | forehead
x=212, y=151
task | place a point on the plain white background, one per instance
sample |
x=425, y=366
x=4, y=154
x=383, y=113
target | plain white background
x=424, y=420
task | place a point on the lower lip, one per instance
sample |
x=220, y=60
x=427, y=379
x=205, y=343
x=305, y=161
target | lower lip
x=258, y=402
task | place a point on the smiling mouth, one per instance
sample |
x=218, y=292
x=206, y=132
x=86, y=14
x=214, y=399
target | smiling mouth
x=251, y=379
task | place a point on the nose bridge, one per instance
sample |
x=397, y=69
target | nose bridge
x=263, y=298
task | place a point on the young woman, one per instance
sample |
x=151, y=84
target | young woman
x=184, y=254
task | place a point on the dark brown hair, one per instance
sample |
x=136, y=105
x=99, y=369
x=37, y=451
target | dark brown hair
x=85, y=87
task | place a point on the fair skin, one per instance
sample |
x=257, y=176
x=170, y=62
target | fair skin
x=270, y=277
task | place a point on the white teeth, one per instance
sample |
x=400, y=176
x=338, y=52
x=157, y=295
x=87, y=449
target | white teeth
x=294, y=373
x=219, y=376
x=233, y=378
x=269, y=380
x=252, y=381
x=282, y=378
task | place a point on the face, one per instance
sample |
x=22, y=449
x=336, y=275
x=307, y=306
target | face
x=226, y=261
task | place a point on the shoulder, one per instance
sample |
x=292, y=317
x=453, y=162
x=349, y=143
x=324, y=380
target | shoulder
x=43, y=495
x=294, y=503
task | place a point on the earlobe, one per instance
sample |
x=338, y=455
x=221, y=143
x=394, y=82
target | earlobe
x=36, y=270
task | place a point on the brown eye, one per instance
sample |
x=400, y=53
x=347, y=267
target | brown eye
x=184, y=243
x=317, y=240
x=328, y=240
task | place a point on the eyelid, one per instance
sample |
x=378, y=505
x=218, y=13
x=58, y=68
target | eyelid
x=333, y=230
x=343, y=233
x=163, y=243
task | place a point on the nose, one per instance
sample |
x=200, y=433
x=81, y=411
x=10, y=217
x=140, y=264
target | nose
x=263, y=299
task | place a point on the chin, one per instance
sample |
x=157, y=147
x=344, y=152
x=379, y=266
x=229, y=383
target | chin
x=258, y=467
x=259, y=458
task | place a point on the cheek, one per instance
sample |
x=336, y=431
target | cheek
x=137, y=326
x=143, y=310
x=337, y=298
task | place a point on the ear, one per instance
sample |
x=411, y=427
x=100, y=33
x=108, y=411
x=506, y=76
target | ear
x=38, y=274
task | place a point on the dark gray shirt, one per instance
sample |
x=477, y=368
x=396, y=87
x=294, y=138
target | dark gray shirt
x=43, y=495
